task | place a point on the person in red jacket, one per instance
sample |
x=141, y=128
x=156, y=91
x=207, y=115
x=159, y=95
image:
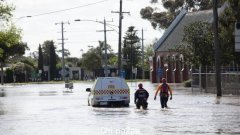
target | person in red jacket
x=140, y=97
x=164, y=89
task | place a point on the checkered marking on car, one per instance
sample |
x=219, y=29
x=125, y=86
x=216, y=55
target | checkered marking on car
x=106, y=92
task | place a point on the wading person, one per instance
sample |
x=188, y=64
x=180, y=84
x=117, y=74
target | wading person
x=164, y=89
x=140, y=97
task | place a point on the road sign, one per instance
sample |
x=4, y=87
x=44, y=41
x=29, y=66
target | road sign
x=122, y=74
x=64, y=72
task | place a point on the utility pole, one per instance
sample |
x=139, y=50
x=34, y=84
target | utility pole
x=217, y=50
x=62, y=39
x=120, y=38
x=131, y=57
x=143, y=75
x=105, y=48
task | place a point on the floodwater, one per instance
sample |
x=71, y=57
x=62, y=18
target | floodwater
x=45, y=109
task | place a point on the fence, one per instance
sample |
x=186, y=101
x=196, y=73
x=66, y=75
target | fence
x=204, y=79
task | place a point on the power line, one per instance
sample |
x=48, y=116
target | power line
x=52, y=12
x=89, y=41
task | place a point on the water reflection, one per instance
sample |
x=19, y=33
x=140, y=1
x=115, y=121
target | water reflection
x=2, y=112
x=47, y=93
x=111, y=111
x=2, y=93
x=141, y=111
x=218, y=100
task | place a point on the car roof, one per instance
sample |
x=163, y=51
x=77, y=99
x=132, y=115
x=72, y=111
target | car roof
x=103, y=83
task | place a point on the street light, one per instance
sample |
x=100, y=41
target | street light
x=90, y=46
x=19, y=18
x=107, y=24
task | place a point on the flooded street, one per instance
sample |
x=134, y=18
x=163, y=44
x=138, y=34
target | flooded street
x=44, y=109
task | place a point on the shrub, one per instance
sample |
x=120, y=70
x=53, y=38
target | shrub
x=187, y=83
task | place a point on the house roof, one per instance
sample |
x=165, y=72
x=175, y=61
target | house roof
x=174, y=34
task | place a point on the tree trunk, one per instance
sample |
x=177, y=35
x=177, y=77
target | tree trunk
x=2, y=77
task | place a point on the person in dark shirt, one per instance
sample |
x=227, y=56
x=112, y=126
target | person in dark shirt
x=141, y=96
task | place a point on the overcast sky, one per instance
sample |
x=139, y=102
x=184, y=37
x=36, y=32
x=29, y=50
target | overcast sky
x=41, y=26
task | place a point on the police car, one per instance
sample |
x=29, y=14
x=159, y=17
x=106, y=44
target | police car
x=109, y=91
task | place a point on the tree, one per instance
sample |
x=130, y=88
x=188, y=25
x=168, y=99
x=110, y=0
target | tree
x=5, y=11
x=22, y=69
x=227, y=21
x=197, y=47
x=113, y=60
x=91, y=60
x=46, y=52
x=162, y=19
x=10, y=45
x=29, y=61
x=72, y=61
x=131, y=48
x=66, y=52
x=148, y=52
x=101, y=52
x=40, y=61
x=199, y=38
x=52, y=62
x=49, y=57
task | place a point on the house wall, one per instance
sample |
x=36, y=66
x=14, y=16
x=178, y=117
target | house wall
x=153, y=70
x=168, y=65
x=75, y=73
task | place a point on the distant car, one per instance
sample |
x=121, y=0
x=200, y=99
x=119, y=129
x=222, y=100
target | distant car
x=109, y=91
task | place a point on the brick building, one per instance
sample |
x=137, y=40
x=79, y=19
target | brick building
x=169, y=64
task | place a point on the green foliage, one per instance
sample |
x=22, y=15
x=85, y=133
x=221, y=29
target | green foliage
x=46, y=51
x=40, y=58
x=9, y=75
x=66, y=52
x=5, y=11
x=131, y=48
x=101, y=51
x=227, y=26
x=52, y=62
x=10, y=37
x=28, y=60
x=49, y=57
x=197, y=47
x=148, y=52
x=162, y=19
x=10, y=43
x=113, y=60
x=91, y=60
x=20, y=68
x=198, y=36
x=72, y=61
x=94, y=58
x=187, y=83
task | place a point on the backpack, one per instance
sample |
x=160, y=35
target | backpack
x=164, y=90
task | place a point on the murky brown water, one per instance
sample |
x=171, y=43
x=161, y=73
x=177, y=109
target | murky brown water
x=47, y=110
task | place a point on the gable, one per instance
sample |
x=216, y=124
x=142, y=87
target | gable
x=174, y=35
